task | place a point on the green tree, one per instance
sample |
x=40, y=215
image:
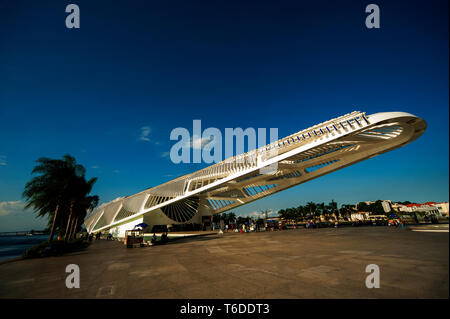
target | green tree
x=333, y=208
x=311, y=208
x=377, y=208
x=362, y=207
x=301, y=212
x=84, y=203
x=79, y=202
x=322, y=210
x=265, y=212
x=282, y=213
x=231, y=218
x=346, y=210
x=292, y=213
x=51, y=192
x=217, y=218
x=260, y=222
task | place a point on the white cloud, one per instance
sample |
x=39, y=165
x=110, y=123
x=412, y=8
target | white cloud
x=14, y=217
x=253, y=215
x=3, y=160
x=197, y=142
x=257, y=214
x=145, y=132
x=9, y=207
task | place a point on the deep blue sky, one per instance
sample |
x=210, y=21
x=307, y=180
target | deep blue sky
x=161, y=64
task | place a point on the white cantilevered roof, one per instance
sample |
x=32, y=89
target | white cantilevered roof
x=240, y=179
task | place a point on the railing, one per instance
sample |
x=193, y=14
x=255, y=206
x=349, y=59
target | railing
x=249, y=160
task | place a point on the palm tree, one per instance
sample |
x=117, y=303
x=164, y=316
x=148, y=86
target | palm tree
x=282, y=213
x=260, y=223
x=303, y=212
x=217, y=218
x=300, y=213
x=311, y=207
x=50, y=193
x=290, y=213
x=76, y=193
x=321, y=209
x=81, y=203
x=346, y=210
x=265, y=212
x=231, y=217
x=362, y=207
x=225, y=218
x=333, y=208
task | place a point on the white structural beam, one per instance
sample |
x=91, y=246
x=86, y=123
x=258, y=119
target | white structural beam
x=241, y=179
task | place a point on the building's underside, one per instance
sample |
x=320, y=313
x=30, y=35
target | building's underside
x=241, y=179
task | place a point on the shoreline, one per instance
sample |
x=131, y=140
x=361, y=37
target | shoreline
x=12, y=259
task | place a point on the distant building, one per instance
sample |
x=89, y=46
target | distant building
x=386, y=206
x=359, y=216
x=421, y=208
x=443, y=208
x=397, y=207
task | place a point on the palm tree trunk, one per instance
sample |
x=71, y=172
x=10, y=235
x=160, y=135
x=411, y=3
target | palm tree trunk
x=69, y=234
x=74, y=228
x=52, y=231
x=68, y=221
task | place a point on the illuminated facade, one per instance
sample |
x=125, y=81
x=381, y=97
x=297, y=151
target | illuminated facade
x=290, y=161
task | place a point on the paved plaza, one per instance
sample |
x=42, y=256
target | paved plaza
x=315, y=263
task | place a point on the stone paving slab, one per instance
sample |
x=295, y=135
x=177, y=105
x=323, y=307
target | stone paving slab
x=323, y=263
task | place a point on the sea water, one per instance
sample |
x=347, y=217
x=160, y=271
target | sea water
x=14, y=246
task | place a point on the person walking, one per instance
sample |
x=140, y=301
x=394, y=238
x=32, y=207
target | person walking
x=403, y=224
